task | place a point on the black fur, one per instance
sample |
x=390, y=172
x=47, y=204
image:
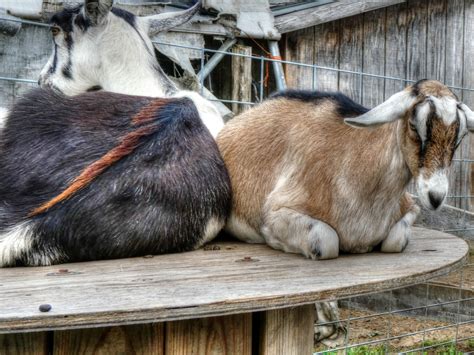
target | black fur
x=52, y=69
x=65, y=18
x=67, y=71
x=346, y=107
x=125, y=15
x=156, y=200
x=416, y=87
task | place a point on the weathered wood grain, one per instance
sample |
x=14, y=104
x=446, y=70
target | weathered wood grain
x=436, y=40
x=288, y=331
x=241, y=78
x=142, y=339
x=300, y=48
x=350, y=55
x=22, y=56
x=416, y=39
x=326, y=54
x=209, y=283
x=395, y=48
x=373, y=49
x=326, y=13
x=215, y=335
x=460, y=177
x=468, y=75
x=24, y=344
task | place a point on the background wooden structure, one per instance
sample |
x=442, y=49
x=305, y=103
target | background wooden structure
x=413, y=40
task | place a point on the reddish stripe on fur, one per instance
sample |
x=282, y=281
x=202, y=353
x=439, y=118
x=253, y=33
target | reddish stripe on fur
x=127, y=145
x=147, y=114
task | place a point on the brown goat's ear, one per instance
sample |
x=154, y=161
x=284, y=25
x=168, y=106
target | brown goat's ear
x=469, y=116
x=391, y=110
x=96, y=10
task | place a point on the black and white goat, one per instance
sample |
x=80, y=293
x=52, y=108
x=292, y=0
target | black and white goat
x=99, y=47
x=305, y=181
x=103, y=175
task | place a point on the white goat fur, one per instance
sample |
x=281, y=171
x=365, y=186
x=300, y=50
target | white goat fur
x=305, y=182
x=119, y=57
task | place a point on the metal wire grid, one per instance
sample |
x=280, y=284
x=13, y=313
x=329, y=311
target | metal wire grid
x=459, y=321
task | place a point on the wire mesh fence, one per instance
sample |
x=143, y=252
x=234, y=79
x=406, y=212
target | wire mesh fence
x=428, y=318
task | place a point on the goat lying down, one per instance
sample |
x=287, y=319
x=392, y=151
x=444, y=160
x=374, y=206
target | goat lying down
x=305, y=181
x=102, y=175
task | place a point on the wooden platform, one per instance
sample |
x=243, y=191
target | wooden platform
x=223, y=279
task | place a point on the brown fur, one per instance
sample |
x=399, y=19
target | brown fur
x=277, y=133
x=434, y=88
x=148, y=113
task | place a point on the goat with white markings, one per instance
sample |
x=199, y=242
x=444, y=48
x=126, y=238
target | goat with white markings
x=98, y=47
x=102, y=175
x=306, y=181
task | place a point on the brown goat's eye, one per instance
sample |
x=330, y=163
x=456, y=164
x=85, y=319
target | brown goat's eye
x=55, y=30
x=412, y=126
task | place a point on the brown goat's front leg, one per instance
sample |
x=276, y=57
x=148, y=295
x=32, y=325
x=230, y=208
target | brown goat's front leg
x=294, y=232
x=400, y=233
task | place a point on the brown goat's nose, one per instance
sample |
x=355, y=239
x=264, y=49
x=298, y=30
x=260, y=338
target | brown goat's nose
x=435, y=199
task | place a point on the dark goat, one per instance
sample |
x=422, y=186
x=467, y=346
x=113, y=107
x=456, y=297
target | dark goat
x=103, y=175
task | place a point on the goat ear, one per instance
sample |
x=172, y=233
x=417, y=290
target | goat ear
x=391, y=110
x=469, y=116
x=96, y=10
x=168, y=20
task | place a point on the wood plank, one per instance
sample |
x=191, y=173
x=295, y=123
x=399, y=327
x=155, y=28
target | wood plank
x=468, y=76
x=300, y=48
x=288, y=331
x=233, y=278
x=460, y=177
x=436, y=40
x=326, y=13
x=24, y=344
x=373, y=57
x=350, y=54
x=326, y=54
x=22, y=56
x=215, y=335
x=241, y=78
x=396, y=48
x=146, y=339
x=416, y=39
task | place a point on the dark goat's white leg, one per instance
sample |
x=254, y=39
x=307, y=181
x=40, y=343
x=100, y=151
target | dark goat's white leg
x=14, y=243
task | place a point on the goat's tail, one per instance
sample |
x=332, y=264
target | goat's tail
x=127, y=145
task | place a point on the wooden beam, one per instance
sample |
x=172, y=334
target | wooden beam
x=288, y=331
x=142, y=339
x=216, y=335
x=326, y=13
x=241, y=78
x=24, y=344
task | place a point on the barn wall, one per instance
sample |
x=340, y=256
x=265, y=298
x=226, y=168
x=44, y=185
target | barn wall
x=415, y=40
x=22, y=56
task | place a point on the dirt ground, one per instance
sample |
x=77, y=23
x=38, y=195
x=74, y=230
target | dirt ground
x=381, y=327
x=467, y=276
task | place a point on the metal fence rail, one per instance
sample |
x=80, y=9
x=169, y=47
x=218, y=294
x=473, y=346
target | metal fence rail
x=460, y=331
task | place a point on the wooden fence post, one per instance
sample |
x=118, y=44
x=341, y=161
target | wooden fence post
x=241, y=78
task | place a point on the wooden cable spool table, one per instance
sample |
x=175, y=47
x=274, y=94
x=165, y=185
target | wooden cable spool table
x=227, y=298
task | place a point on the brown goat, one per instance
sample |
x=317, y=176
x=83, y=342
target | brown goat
x=306, y=181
